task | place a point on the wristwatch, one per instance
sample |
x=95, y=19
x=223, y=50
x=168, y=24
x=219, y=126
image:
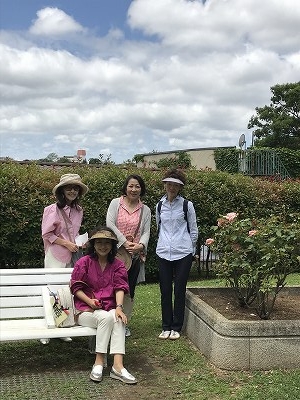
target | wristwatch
x=120, y=305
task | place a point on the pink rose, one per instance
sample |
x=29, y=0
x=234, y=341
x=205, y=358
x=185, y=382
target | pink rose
x=231, y=216
x=253, y=232
x=222, y=222
x=209, y=241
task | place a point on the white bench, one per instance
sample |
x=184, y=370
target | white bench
x=25, y=310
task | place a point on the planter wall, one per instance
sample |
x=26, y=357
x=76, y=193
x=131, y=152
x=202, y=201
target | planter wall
x=241, y=345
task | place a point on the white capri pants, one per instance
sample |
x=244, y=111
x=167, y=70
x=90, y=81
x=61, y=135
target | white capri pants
x=108, y=329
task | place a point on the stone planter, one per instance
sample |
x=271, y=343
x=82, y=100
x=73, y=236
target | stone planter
x=241, y=345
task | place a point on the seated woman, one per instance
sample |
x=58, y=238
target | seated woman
x=99, y=282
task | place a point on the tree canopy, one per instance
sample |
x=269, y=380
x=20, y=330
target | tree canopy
x=278, y=125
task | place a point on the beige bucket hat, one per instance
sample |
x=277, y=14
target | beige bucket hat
x=71, y=179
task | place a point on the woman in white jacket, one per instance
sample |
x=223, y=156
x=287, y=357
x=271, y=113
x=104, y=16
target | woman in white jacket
x=130, y=219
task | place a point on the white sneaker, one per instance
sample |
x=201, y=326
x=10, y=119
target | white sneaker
x=66, y=339
x=127, y=331
x=123, y=376
x=96, y=374
x=174, y=335
x=45, y=341
x=164, y=335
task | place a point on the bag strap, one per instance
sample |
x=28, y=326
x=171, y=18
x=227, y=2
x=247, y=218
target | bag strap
x=140, y=220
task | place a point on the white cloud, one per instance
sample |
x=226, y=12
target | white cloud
x=54, y=22
x=195, y=85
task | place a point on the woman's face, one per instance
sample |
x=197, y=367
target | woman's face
x=172, y=189
x=133, y=189
x=70, y=192
x=103, y=247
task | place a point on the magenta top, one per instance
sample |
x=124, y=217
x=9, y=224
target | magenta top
x=54, y=226
x=102, y=285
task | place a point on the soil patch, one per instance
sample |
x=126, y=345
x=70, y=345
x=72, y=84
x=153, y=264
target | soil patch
x=223, y=300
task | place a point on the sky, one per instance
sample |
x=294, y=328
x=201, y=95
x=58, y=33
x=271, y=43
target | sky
x=121, y=77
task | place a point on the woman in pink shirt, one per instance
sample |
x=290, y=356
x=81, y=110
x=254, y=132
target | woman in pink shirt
x=98, y=282
x=61, y=223
x=62, y=220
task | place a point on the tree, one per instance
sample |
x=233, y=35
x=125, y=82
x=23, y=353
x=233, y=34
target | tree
x=278, y=125
x=101, y=160
x=52, y=157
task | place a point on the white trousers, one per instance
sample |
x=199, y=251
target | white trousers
x=108, y=330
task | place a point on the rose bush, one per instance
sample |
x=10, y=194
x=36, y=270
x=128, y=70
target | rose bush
x=256, y=256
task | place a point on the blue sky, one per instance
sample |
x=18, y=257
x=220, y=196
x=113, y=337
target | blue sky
x=125, y=77
x=100, y=15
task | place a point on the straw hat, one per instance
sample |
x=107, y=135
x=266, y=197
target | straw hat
x=122, y=253
x=103, y=234
x=124, y=256
x=71, y=179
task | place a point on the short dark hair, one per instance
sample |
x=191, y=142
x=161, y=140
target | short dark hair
x=140, y=181
x=91, y=244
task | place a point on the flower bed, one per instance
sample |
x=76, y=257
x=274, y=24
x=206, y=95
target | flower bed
x=241, y=344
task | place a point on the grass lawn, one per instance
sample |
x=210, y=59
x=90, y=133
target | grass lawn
x=165, y=369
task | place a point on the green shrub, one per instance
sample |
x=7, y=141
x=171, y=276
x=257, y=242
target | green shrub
x=27, y=189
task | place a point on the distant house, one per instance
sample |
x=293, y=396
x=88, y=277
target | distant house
x=79, y=158
x=201, y=158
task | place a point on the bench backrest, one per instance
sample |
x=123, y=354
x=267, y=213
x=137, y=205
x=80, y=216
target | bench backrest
x=21, y=290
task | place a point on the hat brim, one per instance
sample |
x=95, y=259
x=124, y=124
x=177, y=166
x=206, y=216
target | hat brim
x=104, y=235
x=71, y=182
x=173, y=180
x=124, y=256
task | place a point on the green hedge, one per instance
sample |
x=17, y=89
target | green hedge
x=27, y=189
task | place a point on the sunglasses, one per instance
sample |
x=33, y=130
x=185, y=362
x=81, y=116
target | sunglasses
x=68, y=188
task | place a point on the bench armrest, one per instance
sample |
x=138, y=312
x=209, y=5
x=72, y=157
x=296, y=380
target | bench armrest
x=48, y=308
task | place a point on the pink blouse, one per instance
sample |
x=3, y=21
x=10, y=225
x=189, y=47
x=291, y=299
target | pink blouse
x=127, y=221
x=54, y=226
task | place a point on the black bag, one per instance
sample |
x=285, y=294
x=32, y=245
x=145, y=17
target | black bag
x=76, y=256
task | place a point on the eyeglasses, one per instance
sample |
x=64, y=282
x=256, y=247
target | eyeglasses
x=68, y=188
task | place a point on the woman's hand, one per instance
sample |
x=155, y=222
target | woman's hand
x=95, y=304
x=72, y=247
x=120, y=314
x=133, y=248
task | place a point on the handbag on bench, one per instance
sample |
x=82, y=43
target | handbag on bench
x=62, y=303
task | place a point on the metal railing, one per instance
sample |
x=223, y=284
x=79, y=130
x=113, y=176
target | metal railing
x=204, y=260
x=262, y=163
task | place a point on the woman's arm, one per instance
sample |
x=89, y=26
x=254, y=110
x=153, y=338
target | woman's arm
x=119, y=306
x=192, y=219
x=95, y=304
x=145, y=225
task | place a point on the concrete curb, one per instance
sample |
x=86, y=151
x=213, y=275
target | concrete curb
x=241, y=345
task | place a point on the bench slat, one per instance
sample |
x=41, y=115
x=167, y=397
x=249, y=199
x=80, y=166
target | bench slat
x=35, y=280
x=24, y=301
x=36, y=271
x=7, y=291
x=22, y=312
x=36, y=329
